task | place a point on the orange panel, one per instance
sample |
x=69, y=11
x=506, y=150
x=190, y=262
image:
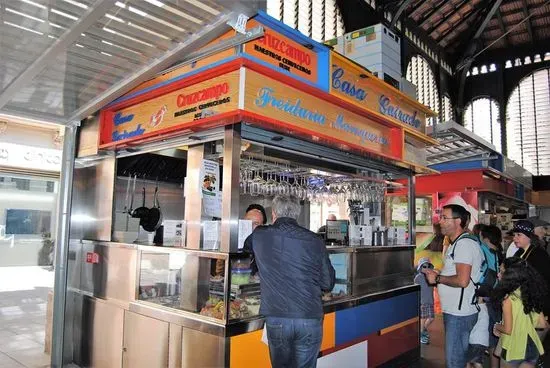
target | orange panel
x=329, y=332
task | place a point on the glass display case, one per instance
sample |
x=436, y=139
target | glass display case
x=194, y=281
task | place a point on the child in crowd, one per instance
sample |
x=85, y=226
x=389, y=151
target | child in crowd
x=426, y=300
x=522, y=293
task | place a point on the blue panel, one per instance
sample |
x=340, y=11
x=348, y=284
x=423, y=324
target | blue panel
x=497, y=164
x=322, y=51
x=458, y=166
x=361, y=321
x=175, y=79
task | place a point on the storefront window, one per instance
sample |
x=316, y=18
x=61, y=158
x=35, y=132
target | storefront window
x=27, y=220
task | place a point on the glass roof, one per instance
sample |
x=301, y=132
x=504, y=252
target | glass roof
x=62, y=60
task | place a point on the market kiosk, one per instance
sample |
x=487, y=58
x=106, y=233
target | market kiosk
x=156, y=273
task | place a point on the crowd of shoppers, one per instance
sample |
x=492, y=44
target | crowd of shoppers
x=507, y=321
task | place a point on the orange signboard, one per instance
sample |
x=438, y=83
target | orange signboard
x=284, y=53
x=189, y=104
x=352, y=83
x=282, y=103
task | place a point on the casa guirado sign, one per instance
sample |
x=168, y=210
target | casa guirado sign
x=275, y=100
x=176, y=109
x=351, y=83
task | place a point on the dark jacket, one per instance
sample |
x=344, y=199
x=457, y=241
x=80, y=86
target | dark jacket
x=537, y=258
x=294, y=269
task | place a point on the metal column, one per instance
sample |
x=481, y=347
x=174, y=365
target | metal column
x=412, y=209
x=193, y=197
x=230, y=190
x=62, y=243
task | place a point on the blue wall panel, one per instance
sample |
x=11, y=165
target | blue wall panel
x=366, y=319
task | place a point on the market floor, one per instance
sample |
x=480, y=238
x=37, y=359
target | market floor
x=23, y=300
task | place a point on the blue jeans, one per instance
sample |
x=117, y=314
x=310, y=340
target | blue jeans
x=294, y=342
x=457, y=334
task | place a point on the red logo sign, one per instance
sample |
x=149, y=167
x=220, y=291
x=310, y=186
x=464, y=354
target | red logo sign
x=203, y=95
x=92, y=257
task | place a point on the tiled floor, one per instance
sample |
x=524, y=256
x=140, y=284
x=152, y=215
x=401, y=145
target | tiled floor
x=23, y=298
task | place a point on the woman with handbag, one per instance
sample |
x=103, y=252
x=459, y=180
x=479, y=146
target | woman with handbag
x=521, y=290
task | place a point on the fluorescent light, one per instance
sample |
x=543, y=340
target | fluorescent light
x=127, y=37
x=56, y=25
x=156, y=3
x=120, y=5
x=63, y=14
x=198, y=4
x=137, y=11
x=23, y=28
x=110, y=16
x=120, y=47
x=76, y=3
x=24, y=15
x=34, y=4
x=174, y=11
x=78, y=45
x=148, y=31
x=50, y=36
x=163, y=22
x=105, y=53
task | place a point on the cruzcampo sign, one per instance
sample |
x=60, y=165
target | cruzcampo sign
x=175, y=109
x=352, y=83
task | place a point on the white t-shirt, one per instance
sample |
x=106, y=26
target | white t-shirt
x=512, y=249
x=469, y=252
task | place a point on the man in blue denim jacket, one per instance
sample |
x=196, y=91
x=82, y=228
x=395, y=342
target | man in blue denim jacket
x=294, y=270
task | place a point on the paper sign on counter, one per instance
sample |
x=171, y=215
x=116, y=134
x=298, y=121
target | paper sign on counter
x=245, y=229
x=211, y=235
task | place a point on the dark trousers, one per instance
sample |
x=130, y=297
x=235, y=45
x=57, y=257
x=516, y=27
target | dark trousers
x=294, y=342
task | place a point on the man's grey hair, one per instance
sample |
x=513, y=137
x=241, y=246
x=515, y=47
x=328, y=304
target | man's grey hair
x=284, y=206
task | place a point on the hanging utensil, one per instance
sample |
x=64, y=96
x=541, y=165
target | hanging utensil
x=153, y=220
x=142, y=211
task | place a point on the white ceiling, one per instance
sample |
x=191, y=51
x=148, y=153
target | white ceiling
x=62, y=60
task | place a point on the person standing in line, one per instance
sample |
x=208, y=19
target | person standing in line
x=294, y=270
x=426, y=300
x=455, y=284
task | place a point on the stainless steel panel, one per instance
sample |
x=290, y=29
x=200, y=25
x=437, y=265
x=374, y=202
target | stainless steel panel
x=145, y=342
x=193, y=200
x=114, y=277
x=180, y=318
x=382, y=270
x=105, y=342
x=92, y=207
x=200, y=349
x=174, y=346
x=230, y=190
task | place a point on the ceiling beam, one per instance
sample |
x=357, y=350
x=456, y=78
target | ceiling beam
x=58, y=47
x=528, y=23
x=446, y=18
x=453, y=27
x=467, y=59
x=417, y=6
x=502, y=27
x=404, y=5
x=437, y=8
